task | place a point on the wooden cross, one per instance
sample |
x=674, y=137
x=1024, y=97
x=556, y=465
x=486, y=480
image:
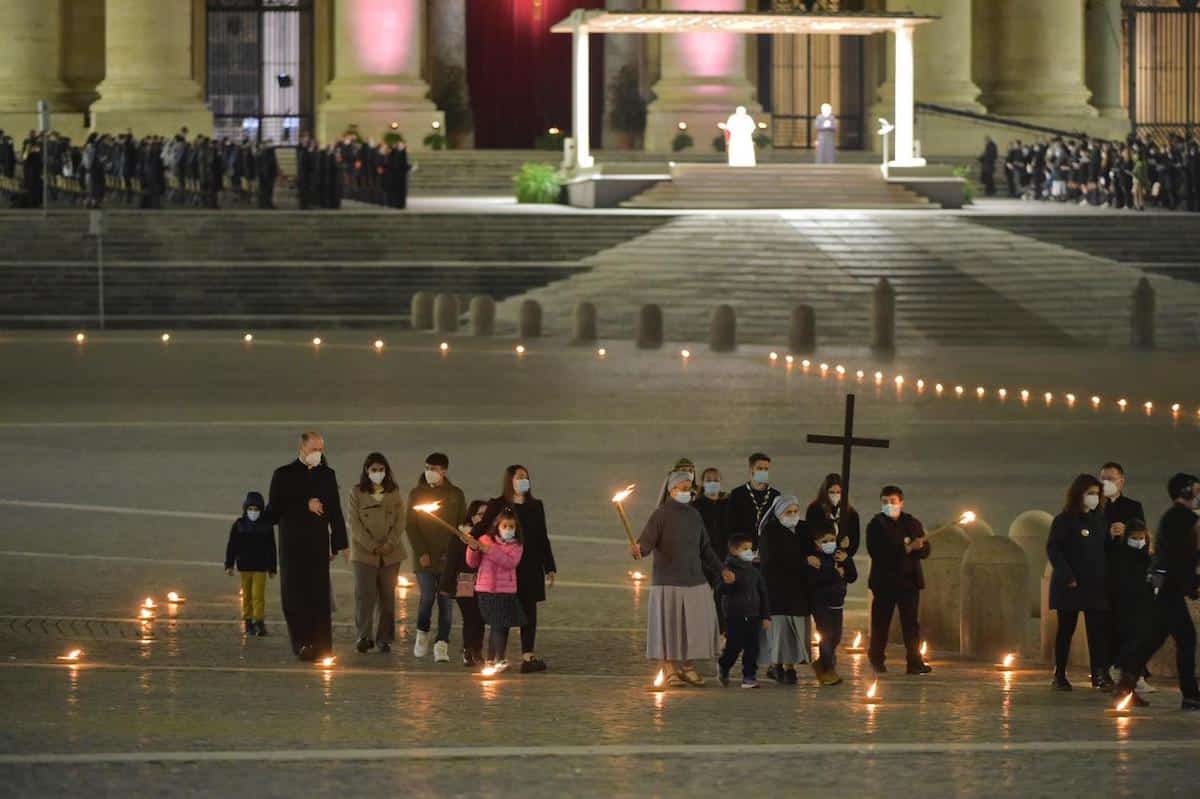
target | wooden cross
x=847, y=442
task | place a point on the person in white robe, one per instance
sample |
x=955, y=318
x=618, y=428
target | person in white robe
x=739, y=130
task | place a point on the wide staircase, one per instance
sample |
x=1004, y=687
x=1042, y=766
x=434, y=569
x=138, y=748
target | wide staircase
x=778, y=186
x=282, y=268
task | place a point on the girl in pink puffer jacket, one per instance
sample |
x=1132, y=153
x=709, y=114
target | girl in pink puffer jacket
x=496, y=554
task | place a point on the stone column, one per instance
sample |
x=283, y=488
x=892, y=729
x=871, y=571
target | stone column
x=378, y=52
x=82, y=52
x=30, y=51
x=702, y=79
x=620, y=50
x=148, y=84
x=448, y=41
x=1034, y=58
x=942, y=55
x=1103, y=57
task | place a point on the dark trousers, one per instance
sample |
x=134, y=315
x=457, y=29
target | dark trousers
x=741, y=638
x=1097, y=622
x=528, y=631
x=1169, y=617
x=498, y=642
x=472, y=625
x=988, y=176
x=829, y=625
x=882, y=608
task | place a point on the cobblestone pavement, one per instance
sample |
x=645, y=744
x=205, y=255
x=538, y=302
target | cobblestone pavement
x=127, y=459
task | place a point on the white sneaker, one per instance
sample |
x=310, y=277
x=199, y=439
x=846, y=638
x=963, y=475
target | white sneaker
x=500, y=665
x=1144, y=687
x=441, y=652
x=421, y=647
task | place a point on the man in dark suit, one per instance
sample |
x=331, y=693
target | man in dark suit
x=896, y=543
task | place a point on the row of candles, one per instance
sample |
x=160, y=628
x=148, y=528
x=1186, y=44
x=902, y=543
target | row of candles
x=838, y=370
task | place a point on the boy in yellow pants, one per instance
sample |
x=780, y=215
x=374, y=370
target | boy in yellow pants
x=251, y=548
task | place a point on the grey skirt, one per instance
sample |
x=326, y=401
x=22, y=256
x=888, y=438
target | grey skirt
x=681, y=623
x=789, y=640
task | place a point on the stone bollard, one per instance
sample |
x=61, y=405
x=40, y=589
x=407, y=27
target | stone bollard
x=1030, y=531
x=1049, y=629
x=723, y=333
x=583, y=328
x=995, y=612
x=530, y=324
x=648, y=334
x=422, y=311
x=941, y=601
x=1142, y=319
x=802, y=335
x=445, y=313
x=883, y=319
x=483, y=316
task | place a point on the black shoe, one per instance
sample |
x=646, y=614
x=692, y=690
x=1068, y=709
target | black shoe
x=249, y=628
x=879, y=668
x=1190, y=703
x=1060, y=683
x=778, y=674
x=723, y=677
x=307, y=653
x=260, y=629
x=364, y=645
x=385, y=647
x=468, y=659
x=919, y=668
x=1102, y=682
x=532, y=665
x=789, y=676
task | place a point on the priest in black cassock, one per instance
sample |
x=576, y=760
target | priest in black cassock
x=304, y=501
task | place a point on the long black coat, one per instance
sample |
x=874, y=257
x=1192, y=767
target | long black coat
x=892, y=569
x=846, y=521
x=715, y=512
x=538, y=558
x=1076, y=548
x=783, y=556
x=306, y=542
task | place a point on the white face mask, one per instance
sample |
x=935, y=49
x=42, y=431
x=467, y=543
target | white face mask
x=432, y=477
x=1137, y=543
x=890, y=510
x=835, y=498
x=762, y=476
x=682, y=497
x=253, y=515
x=376, y=476
x=521, y=486
x=313, y=458
x=747, y=555
x=508, y=533
x=790, y=520
x=1091, y=501
x=829, y=547
x=1110, y=489
x=712, y=489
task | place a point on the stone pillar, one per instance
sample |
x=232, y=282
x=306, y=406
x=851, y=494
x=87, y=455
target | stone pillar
x=378, y=55
x=448, y=41
x=30, y=52
x=995, y=611
x=943, y=56
x=702, y=78
x=620, y=50
x=1030, y=531
x=1103, y=57
x=941, y=601
x=1034, y=59
x=148, y=84
x=82, y=53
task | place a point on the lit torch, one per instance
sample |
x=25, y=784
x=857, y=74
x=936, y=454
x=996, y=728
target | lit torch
x=967, y=517
x=617, y=499
x=430, y=509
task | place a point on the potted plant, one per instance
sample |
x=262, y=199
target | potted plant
x=537, y=183
x=451, y=98
x=552, y=139
x=435, y=140
x=682, y=140
x=628, y=119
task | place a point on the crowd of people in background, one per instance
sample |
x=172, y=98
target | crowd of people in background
x=1130, y=174
x=185, y=171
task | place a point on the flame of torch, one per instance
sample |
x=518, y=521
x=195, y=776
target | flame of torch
x=967, y=517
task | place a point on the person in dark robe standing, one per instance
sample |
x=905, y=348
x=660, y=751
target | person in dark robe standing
x=1119, y=511
x=749, y=503
x=1077, y=550
x=397, y=169
x=713, y=505
x=1014, y=166
x=305, y=502
x=987, y=166
x=305, y=166
x=826, y=126
x=266, y=167
x=896, y=544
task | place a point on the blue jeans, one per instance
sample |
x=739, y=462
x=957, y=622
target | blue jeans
x=428, y=582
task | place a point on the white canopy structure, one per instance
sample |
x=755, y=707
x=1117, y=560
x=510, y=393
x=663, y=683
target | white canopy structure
x=581, y=23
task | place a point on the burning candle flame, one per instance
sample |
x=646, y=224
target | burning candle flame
x=487, y=671
x=967, y=517
x=623, y=495
x=660, y=679
x=148, y=602
x=1009, y=659
x=428, y=507
x=637, y=576
x=1124, y=703
x=74, y=654
x=924, y=648
x=873, y=691
x=403, y=581
x=774, y=356
x=327, y=662
x=857, y=641
x=174, y=597
x=146, y=613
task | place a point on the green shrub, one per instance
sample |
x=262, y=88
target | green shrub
x=552, y=139
x=537, y=183
x=682, y=141
x=392, y=138
x=763, y=140
x=969, y=185
x=435, y=141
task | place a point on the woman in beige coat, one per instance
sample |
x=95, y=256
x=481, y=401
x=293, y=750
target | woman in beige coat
x=376, y=551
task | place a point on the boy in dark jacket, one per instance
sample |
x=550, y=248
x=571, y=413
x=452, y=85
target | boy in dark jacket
x=1129, y=584
x=827, y=586
x=251, y=548
x=896, y=544
x=745, y=608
